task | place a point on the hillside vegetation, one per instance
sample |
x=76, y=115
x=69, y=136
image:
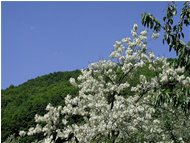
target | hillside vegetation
x=20, y=103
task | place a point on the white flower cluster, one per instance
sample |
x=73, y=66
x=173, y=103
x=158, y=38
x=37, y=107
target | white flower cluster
x=155, y=35
x=73, y=82
x=104, y=112
x=52, y=120
x=167, y=76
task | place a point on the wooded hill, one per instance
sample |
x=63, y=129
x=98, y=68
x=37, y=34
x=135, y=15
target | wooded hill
x=21, y=103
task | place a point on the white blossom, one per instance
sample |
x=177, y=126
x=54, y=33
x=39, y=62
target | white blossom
x=143, y=33
x=22, y=133
x=106, y=107
x=72, y=81
x=155, y=35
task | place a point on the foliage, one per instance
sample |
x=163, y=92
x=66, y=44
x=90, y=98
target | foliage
x=12, y=139
x=105, y=112
x=20, y=103
x=173, y=33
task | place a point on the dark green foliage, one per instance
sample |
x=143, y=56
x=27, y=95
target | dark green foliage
x=21, y=103
x=173, y=33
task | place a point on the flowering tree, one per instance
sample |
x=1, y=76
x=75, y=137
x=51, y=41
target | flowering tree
x=105, y=112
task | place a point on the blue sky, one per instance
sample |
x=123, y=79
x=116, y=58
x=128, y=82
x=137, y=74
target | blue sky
x=43, y=37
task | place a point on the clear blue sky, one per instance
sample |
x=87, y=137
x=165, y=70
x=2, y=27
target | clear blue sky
x=43, y=37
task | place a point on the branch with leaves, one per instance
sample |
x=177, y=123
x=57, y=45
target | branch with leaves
x=173, y=33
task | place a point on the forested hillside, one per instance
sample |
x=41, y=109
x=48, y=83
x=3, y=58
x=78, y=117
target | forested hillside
x=20, y=103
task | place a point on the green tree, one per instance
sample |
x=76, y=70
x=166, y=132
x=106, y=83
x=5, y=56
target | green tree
x=173, y=33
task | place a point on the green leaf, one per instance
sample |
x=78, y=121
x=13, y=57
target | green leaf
x=164, y=19
x=168, y=40
x=182, y=35
x=174, y=28
x=179, y=36
x=151, y=25
x=183, y=43
x=170, y=48
x=174, y=12
x=171, y=21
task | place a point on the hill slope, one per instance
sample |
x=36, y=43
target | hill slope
x=21, y=103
